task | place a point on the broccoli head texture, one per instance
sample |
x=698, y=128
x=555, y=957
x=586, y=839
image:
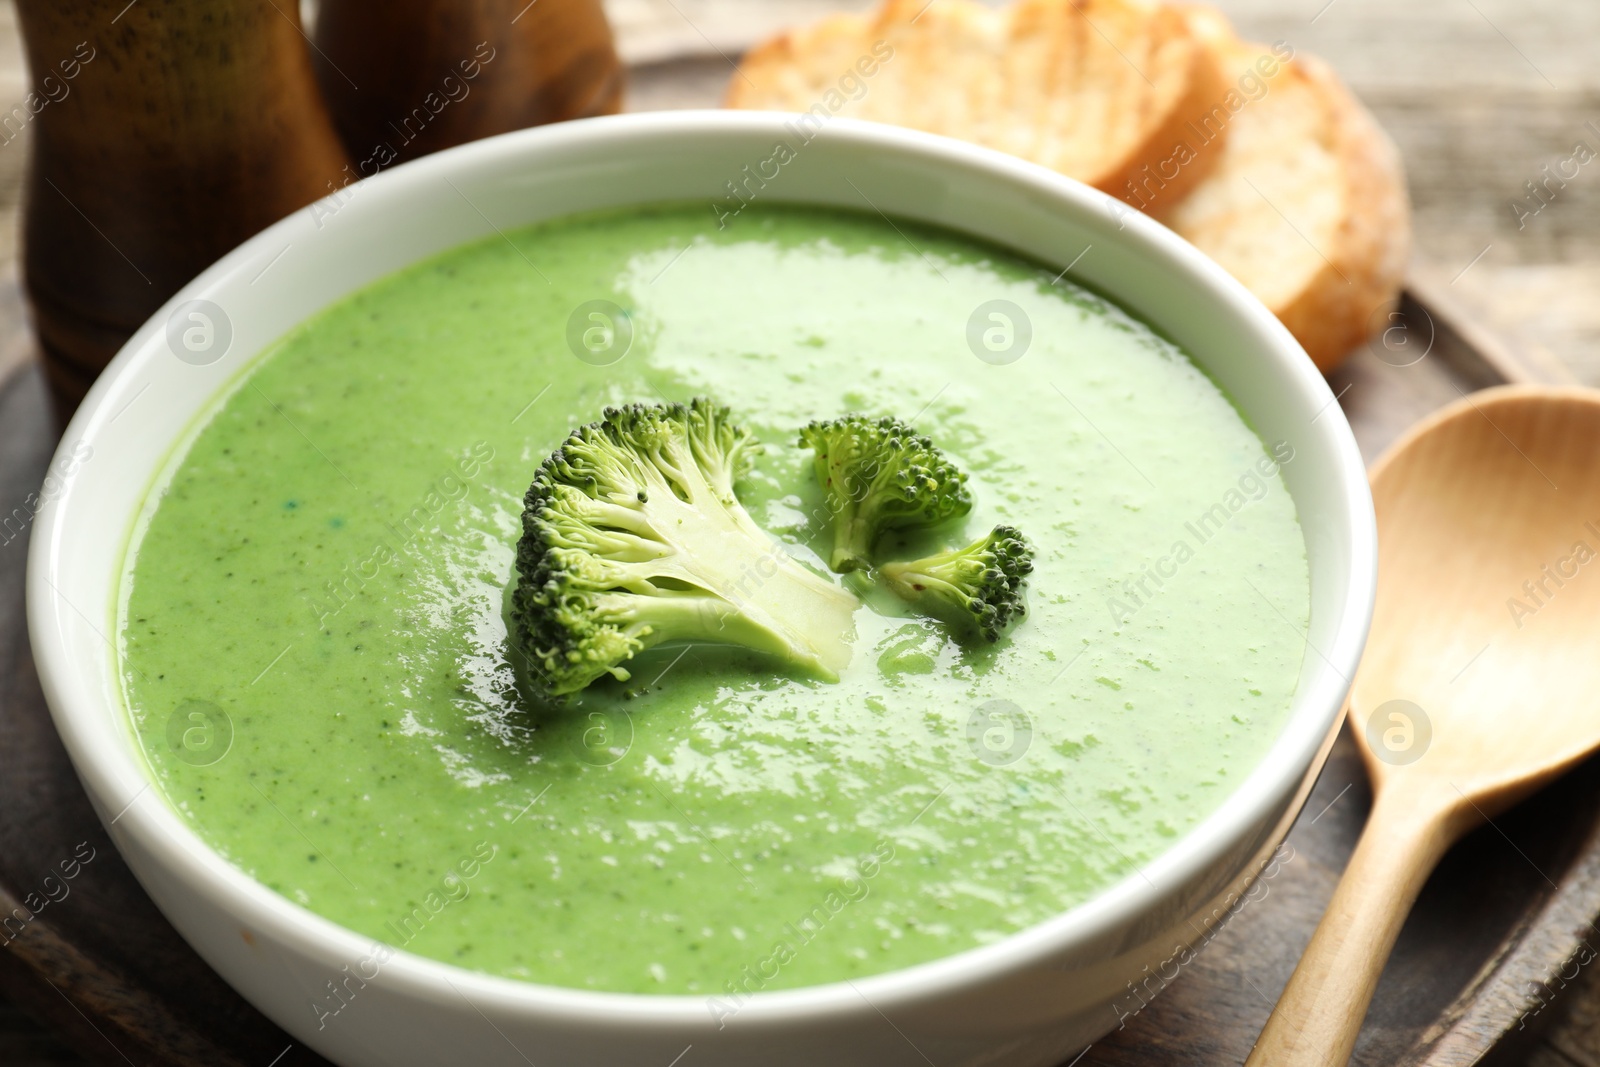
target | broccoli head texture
x=633, y=536
x=978, y=588
x=879, y=475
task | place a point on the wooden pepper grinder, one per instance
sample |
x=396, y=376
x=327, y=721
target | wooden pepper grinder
x=409, y=77
x=170, y=132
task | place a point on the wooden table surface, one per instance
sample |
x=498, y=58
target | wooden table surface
x=1480, y=95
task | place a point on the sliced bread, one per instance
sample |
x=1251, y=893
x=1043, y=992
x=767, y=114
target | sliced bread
x=1306, y=204
x=1102, y=90
x=1260, y=157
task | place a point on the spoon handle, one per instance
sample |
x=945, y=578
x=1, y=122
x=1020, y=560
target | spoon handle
x=1319, y=1015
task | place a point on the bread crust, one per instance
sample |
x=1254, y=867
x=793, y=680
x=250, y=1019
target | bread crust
x=1342, y=308
x=1105, y=91
x=1308, y=206
x=1174, y=159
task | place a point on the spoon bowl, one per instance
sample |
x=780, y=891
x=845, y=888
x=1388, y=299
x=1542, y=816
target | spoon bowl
x=1488, y=516
x=1481, y=678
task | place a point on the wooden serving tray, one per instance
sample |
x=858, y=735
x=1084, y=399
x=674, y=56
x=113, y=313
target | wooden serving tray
x=1502, y=929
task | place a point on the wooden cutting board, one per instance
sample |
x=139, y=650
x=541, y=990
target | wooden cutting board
x=1502, y=929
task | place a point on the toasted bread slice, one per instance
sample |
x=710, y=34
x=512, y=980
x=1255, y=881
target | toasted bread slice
x=1102, y=90
x=1307, y=203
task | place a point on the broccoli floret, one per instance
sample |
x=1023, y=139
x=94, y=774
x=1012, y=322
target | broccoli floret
x=633, y=536
x=881, y=475
x=978, y=587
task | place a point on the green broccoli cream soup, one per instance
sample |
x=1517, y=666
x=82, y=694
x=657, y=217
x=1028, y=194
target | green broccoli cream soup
x=314, y=643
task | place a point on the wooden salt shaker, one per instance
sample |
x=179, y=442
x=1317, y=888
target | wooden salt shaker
x=170, y=132
x=409, y=77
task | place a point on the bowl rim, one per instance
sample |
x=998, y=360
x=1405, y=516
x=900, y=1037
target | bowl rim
x=160, y=833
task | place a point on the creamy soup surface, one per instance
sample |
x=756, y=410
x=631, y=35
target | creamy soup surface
x=314, y=651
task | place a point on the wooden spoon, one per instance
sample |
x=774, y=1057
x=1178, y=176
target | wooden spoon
x=1481, y=679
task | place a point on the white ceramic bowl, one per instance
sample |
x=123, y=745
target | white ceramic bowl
x=1033, y=998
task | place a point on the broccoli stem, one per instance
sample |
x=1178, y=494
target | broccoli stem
x=754, y=593
x=916, y=585
x=693, y=618
x=853, y=538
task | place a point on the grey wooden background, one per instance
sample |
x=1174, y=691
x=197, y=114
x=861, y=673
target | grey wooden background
x=1480, y=95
